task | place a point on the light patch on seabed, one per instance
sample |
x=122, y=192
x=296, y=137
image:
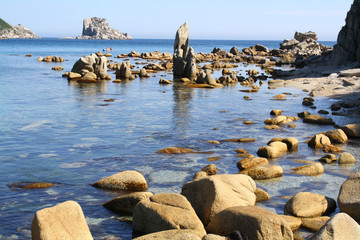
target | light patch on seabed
x=173, y=189
x=73, y=165
x=94, y=221
x=48, y=155
x=51, y=192
x=25, y=155
x=87, y=198
x=91, y=139
x=168, y=176
x=82, y=145
x=9, y=238
x=34, y=126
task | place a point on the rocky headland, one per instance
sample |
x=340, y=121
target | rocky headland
x=99, y=28
x=19, y=31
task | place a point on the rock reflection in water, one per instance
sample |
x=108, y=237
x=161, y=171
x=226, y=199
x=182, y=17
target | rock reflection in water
x=181, y=108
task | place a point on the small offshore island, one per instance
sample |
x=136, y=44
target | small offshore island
x=214, y=206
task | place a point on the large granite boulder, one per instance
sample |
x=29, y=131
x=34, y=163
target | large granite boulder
x=263, y=172
x=211, y=195
x=252, y=222
x=123, y=70
x=339, y=227
x=99, y=28
x=337, y=136
x=92, y=64
x=63, y=221
x=347, y=48
x=306, y=204
x=127, y=202
x=175, y=234
x=273, y=150
x=349, y=196
x=166, y=211
x=319, y=141
x=352, y=130
x=123, y=181
x=183, y=59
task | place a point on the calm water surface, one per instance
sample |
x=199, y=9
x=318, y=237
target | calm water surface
x=64, y=133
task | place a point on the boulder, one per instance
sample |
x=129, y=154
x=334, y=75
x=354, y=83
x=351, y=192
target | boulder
x=337, y=136
x=306, y=204
x=328, y=158
x=311, y=169
x=166, y=211
x=349, y=196
x=319, y=141
x=301, y=37
x=175, y=234
x=85, y=63
x=280, y=120
x=213, y=237
x=213, y=194
x=273, y=150
x=317, y=119
x=89, y=77
x=352, y=130
x=294, y=222
x=263, y=172
x=126, y=180
x=63, y=221
x=126, y=203
x=291, y=142
x=339, y=227
x=74, y=76
x=346, y=158
x=252, y=222
x=261, y=195
x=314, y=224
x=355, y=72
x=123, y=70
x=144, y=73
x=165, y=81
x=100, y=68
x=251, y=162
x=276, y=112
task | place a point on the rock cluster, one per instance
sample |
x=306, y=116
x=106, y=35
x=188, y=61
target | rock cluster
x=347, y=48
x=50, y=59
x=19, y=31
x=184, y=58
x=99, y=28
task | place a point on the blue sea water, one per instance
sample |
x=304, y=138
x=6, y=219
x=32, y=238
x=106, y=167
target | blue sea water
x=52, y=130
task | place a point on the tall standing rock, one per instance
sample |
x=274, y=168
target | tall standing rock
x=347, y=48
x=184, y=58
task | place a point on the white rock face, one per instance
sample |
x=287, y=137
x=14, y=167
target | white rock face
x=18, y=31
x=99, y=28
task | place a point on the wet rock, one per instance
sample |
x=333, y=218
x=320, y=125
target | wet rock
x=352, y=130
x=126, y=203
x=74, y=76
x=57, y=68
x=37, y=185
x=306, y=204
x=346, y=158
x=261, y=195
x=165, y=81
x=209, y=169
x=280, y=120
x=126, y=180
x=166, y=211
x=337, y=136
x=303, y=114
x=332, y=149
x=63, y=221
x=328, y=158
x=134, y=54
x=178, y=150
x=40, y=59
x=317, y=119
x=323, y=111
x=271, y=127
x=341, y=226
x=273, y=150
x=349, y=196
x=89, y=77
x=319, y=141
x=213, y=194
x=251, y=162
x=213, y=142
x=176, y=234
x=276, y=112
x=239, y=140
x=311, y=169
x=294, y=222
x=144, y=73
x=314, y=224
x=241, y=150
x=252, y=222
x=263, y=172
x=291, y=142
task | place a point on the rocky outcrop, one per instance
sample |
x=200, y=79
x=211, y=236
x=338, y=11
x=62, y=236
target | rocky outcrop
x=90, y=68
x=184, y=58
x=99, y=28
x=19, y=31
x=347, y=48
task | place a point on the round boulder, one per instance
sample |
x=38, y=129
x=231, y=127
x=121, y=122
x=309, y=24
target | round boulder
x=346, y=158
x=263, y=172
x=311, y=169
x=211, y=195
x=273, y=150
x=126, y=180
x=319, y=141
x=349, y=196
x=306, y=204
x=166, y=211
x=126, y=203
x=252, y=222
x=337, y=136
x=352, y=130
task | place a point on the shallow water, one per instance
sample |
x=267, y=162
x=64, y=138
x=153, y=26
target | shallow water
x=64, y=133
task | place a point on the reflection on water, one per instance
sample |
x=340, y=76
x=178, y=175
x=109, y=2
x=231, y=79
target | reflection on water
x=182, y=107
x=89, y=89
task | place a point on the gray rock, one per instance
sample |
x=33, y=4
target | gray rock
x=123, y=70
x=100, y=68
x=349, y=196
x=85, y=63
x=99, y=28
x=305, y=36
x=339, y=227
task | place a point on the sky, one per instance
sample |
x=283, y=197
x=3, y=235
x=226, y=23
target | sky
x=207, y=19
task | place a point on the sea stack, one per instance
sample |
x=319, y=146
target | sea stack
x=347, y=49
x=99, y=28
x=19, y=31
x=184, y=58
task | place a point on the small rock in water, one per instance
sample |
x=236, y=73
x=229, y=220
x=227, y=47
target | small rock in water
x=328, y=158
x=312, y=169
x=346, y=158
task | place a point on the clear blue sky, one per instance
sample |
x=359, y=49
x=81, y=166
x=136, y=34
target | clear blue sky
x=226, y=19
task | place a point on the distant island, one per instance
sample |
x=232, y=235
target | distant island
x=19, y=31
x=99, y=28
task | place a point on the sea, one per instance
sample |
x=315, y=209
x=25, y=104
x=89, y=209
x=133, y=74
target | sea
x=61, y=132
